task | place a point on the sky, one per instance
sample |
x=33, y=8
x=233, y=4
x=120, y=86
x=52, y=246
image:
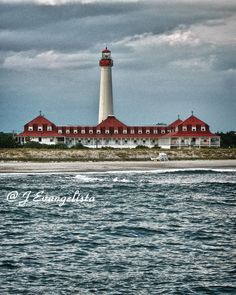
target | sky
x=170, y=58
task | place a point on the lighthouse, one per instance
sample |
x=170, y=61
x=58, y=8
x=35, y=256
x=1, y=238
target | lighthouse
x=106, y=98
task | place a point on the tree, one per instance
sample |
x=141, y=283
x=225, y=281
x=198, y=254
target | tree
x=7, y=141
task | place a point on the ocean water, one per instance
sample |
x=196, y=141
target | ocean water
x=159, y=232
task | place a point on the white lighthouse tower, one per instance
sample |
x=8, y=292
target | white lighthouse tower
x=106, y=98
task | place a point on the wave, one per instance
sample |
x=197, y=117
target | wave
x=116, y=179
x=84, y=178
x=171, y=170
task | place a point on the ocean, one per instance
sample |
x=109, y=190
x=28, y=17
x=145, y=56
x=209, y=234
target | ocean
x=130, y=232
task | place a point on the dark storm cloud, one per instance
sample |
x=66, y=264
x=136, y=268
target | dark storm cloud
x=25, y=16
x=80, y=26
x=180, y=55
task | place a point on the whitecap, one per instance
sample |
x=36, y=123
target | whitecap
x=84, y=178
x=116, y=179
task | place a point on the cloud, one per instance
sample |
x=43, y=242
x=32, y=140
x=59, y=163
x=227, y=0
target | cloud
x=177, y=38
x=49, y=60
x=217, y=33
x=194, y=64
x=62, y=2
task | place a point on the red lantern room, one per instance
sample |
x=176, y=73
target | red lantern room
x=106, y=60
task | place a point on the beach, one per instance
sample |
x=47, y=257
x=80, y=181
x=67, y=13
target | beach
x=57, y=167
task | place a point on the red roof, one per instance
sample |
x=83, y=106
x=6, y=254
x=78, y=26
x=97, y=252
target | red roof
x=192, y=120
x=40, y=120
x=106, y=50
x=40, y=134
x=175, y=123
x=190, y=134
x=111, y=121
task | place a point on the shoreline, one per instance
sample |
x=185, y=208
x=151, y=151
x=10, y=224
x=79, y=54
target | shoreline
x=67, y=167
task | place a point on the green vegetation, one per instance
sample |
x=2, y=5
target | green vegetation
x=79, y=146
x=37, y=145
x=228, y=139
x=7, y=141
x=58, y=155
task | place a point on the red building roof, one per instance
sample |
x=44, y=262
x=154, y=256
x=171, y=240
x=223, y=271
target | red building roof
x=192, y=120
x=111, y=121
x=190, y=134
x=40, y=120
x=112, y=127
x=175, y=123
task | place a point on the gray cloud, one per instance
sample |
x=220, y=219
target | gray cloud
x=179, y=55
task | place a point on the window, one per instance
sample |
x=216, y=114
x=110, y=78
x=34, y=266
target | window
x=116, y=131
x=98, y=131
x=184, y=128
x=49, y=128
x=90, y=131
x=132, y=131
x=67, y=131
x=140, y=131
x=83, y=131
x=40, y=128
x=59, y=131
x=155, y=131
x=148, y=131
x=203, y=128
x=163, y=131
x=125, y=131
x=194, y=128
x=176, y=129
x=40, y=139
x=30, y=128
x=75, y=131
x=107, y=131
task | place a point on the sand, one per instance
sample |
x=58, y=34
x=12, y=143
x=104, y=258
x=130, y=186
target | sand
x=57, y=167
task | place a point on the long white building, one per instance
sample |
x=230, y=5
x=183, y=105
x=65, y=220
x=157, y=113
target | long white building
x=110, y=132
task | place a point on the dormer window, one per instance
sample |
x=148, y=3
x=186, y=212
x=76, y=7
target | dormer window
x=59, y=131
x=132, y=131
x=49, y=128
x=116, y=131
x=40, y=128
x=140, y=131
x=107, y=131
x=82, y=131
x=203, y=128
x=91, y=131
x=155, y=131
x=125, y=131
x=30, y=128
x=75, y=131
x=163, y=131
x=98, y=131
x=184, y=128
x=148, y=131
x=67, y=131
x=194, y=128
